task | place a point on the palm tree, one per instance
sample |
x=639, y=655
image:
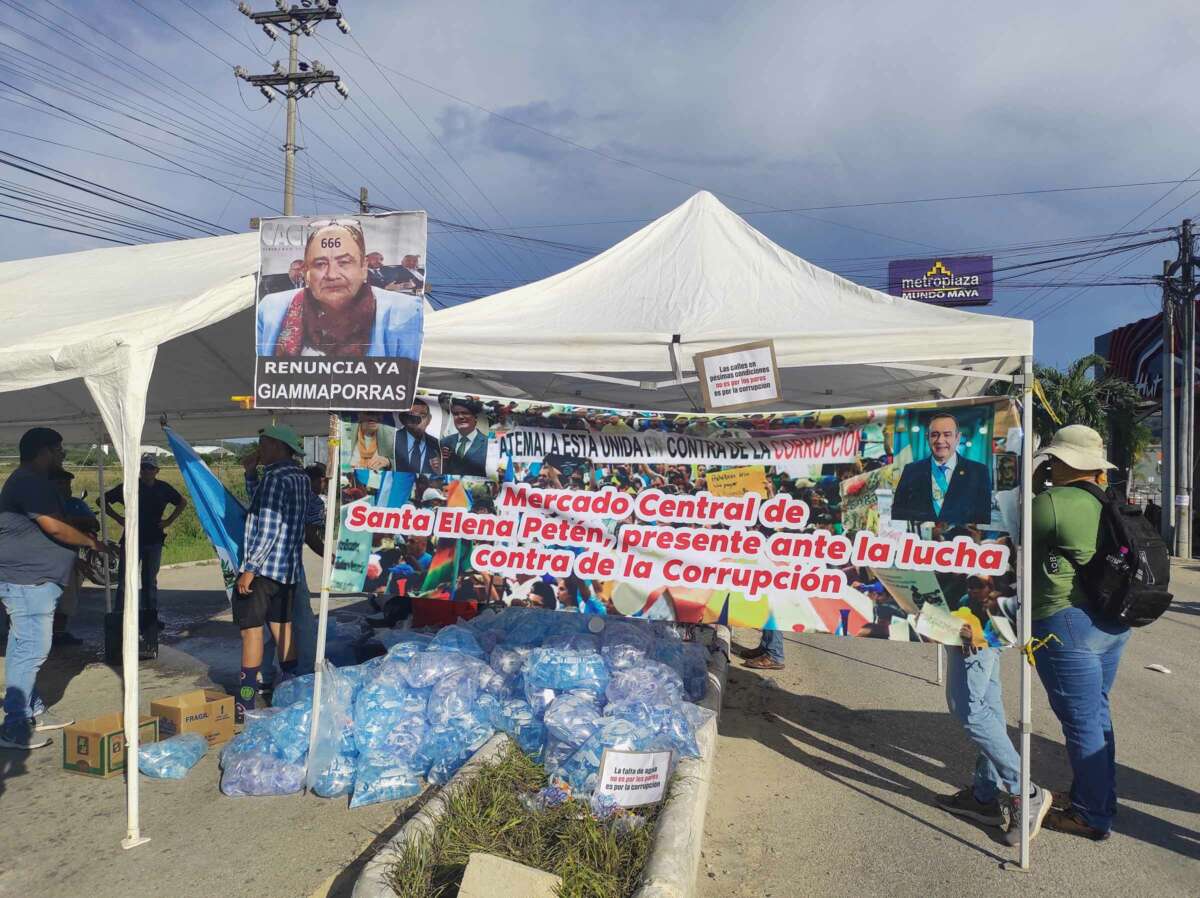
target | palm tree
x=1080, y=395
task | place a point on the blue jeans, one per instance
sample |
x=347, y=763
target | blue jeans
x=31, y=621
x=772, y=644
x=150, y=560
x=974, y=698
x=1078, y=674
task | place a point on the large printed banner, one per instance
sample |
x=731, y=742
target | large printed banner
x=340, y=316
x=890, y=523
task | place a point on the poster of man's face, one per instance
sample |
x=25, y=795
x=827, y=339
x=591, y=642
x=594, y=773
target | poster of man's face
x=340, y=315
x=949, y=481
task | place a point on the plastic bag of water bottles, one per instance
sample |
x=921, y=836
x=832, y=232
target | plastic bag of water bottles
x=457, y=638
x=573, y=717
x=566, y=669
x=695, y=671
x=446, y=748
x=258, y=773
x=172, y=758
x=395, y=732
x=289, y=730
x=291, y=691
x=335, y=726
x=431, y=667
x=661, y=718
x=539, y=699
x=337, y=778
x=248, y=741
x=582, y=769
x=403, y=643
x=516, y=718
x=380, y=779
x=580, y=642
x=453, y=698
x=531, y=628
x=555, y=752
x=508, y=660
x=643, y=680
x=623, y=644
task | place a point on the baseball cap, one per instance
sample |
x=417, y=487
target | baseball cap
x=149, y=461
x=285, y=435
x=431, y=494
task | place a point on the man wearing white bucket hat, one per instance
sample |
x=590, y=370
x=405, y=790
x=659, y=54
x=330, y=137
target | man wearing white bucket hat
x=1079, y=664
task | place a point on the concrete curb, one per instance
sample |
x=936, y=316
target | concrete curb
x=371, y=882
x=180, y=564
x=675, y=855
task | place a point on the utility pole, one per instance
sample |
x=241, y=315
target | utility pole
x=300, y=79
x=1179, y=280
x=1169, y=454
x=363, y=206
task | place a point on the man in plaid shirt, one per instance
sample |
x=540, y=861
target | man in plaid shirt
x=283, y=516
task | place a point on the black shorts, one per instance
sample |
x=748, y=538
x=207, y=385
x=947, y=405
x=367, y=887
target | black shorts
x=269, y=601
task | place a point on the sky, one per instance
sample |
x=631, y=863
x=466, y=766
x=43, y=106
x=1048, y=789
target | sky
x=577, y=123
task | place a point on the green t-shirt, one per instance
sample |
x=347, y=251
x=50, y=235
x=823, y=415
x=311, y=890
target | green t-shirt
x=1066, y=529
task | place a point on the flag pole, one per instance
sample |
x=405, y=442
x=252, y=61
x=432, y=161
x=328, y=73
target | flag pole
x=333, y=467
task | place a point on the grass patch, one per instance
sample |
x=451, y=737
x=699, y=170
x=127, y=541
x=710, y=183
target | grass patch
x=594, y=859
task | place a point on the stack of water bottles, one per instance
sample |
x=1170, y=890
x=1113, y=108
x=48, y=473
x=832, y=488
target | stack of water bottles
x=562, y=692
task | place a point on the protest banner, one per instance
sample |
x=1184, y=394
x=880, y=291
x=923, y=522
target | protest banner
x=659, y=516
x=339, y=321
x=738, y=377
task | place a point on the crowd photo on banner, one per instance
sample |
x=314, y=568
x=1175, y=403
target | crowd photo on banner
x=897, y=523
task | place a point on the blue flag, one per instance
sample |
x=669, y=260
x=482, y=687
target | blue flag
x=221, y=514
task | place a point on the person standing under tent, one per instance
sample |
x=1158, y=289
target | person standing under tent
x=154, y=496
x=281, y=518
x=79, y=516
x=1078, y=661
x=973, y=696
x=767, y=655
x=38, y=551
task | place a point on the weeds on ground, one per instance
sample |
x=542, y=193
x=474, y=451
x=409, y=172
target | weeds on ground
x=594, y=858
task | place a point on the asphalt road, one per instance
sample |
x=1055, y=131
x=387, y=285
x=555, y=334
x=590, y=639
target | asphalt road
x=824, y=783
x=60, y=832
x=826, y=774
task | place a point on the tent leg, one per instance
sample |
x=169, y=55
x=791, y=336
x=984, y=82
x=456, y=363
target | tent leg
x=1026, y=575
x=333, y=467
x=108, y=597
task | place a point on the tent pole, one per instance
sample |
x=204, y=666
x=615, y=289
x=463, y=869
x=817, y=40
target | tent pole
x=1026, y=573
x=333, y=467
x=108, y=598
x=129, y=638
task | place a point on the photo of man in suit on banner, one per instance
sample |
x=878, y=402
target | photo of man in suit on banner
x=946, y=486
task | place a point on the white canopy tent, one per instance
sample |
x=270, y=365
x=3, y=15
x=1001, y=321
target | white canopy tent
x=619, y=329
x=110, y=339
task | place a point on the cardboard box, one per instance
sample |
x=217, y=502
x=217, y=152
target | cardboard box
x=96, y=747
x=204, y=711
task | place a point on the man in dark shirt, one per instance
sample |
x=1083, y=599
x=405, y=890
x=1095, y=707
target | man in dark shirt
x=154, y=496
x=37, y=556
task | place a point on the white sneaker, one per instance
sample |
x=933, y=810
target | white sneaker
x=47, y=723
x=23, y=742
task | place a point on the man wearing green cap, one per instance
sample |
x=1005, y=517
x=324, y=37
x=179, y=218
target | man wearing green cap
x=282, y=516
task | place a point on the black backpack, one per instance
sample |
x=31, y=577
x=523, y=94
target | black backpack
x=1126, y=580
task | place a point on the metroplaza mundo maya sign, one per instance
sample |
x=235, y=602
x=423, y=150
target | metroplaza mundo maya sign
x=943, y=281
